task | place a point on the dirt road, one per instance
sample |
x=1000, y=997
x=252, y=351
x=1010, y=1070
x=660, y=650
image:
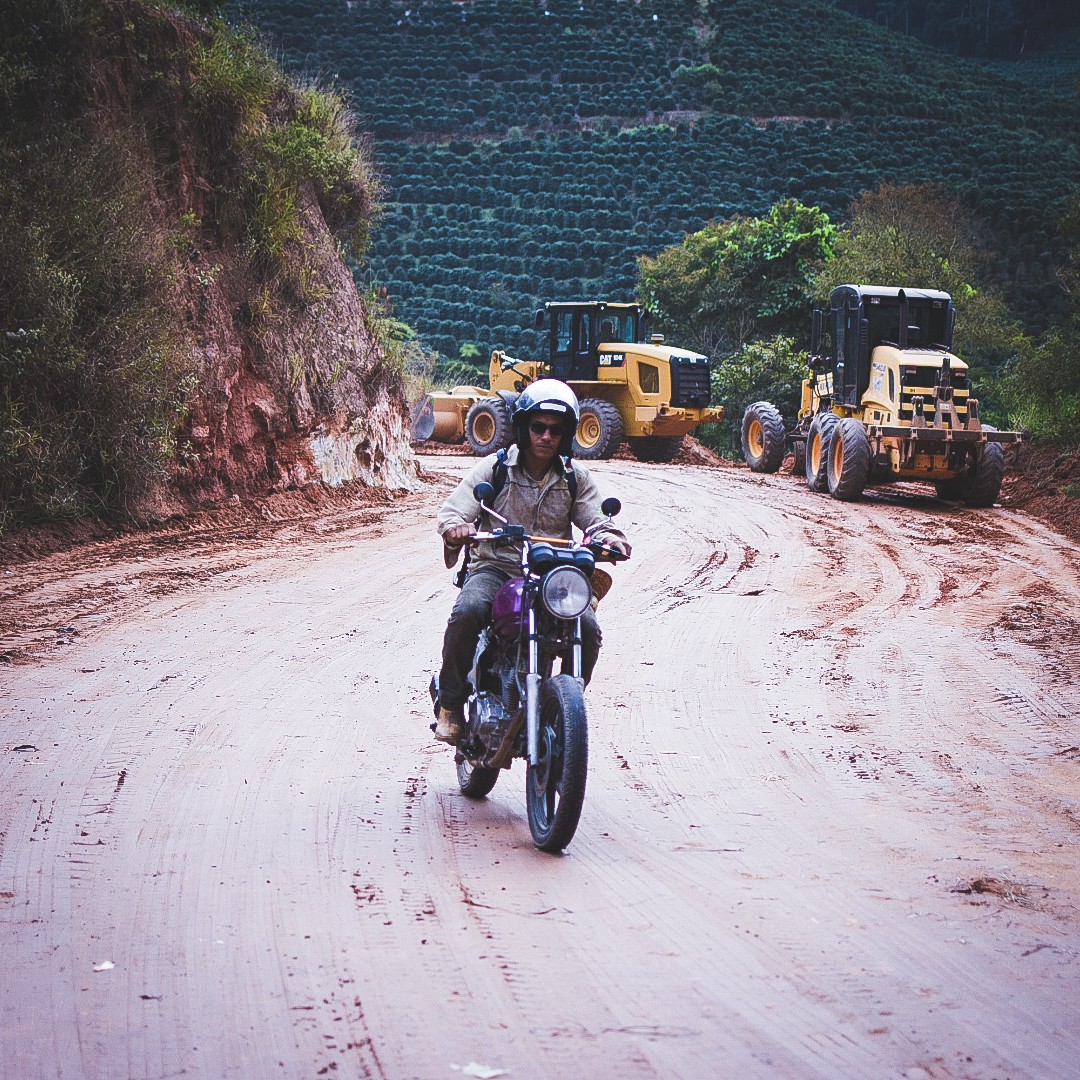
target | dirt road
x=832, y=825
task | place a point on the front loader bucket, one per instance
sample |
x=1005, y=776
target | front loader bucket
x=440, y=417
x=423, y=420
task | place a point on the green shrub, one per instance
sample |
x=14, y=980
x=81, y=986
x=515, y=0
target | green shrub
x=761, y=371
x=234, y=81
x=1042, y=389
x=739, y=278
x=93, y=379
x=270, y=139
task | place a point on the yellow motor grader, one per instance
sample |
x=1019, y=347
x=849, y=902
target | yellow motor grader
x=630, y=386
x=885, y=400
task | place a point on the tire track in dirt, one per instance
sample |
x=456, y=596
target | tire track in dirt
x=916, y=581
x=827, y=832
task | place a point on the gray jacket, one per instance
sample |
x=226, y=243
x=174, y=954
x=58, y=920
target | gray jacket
x=543, y=507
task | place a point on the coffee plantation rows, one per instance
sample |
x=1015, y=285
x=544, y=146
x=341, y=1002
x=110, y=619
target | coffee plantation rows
x=1007, y=29
x=533, y=151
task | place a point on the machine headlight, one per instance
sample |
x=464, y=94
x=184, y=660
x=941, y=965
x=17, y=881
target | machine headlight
x=566, y=592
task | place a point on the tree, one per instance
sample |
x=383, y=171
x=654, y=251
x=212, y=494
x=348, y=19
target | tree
x=738, y=279
x=917, y=236
x=770, y=370
x=1042, y=387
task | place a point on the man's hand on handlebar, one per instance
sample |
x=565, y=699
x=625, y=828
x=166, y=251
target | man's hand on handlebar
x=616, y=548
x=457, y=535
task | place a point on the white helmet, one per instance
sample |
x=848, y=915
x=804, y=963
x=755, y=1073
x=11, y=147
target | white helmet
x=547, y=395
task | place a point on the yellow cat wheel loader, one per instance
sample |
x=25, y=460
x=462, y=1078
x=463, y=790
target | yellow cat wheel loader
x=630, y=384
x=885, y=400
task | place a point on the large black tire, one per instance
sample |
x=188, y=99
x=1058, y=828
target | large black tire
x=799, y=464
x=816, y=459
x=487, y=426
x=987, y=474
x=599, y=431
x=849, y=457
x=656, y=447
x=555, y=785
x=980, y=485
x=763, y=439
x=474, y=780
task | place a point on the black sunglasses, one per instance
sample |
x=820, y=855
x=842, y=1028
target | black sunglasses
x=538, y=427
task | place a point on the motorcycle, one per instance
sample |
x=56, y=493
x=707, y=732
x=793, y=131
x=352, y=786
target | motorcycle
x=518, y=707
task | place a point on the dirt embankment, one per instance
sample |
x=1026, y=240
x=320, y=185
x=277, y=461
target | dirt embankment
x=290, y=384
x=1044, y=481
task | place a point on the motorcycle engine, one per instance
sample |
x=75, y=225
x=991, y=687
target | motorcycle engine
x=487, y=720
x=491, y=709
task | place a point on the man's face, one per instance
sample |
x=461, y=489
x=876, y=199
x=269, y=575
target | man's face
x=545, y=432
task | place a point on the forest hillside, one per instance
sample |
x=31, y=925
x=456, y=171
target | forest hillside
x=534, y=150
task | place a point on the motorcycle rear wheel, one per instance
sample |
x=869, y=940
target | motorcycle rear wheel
x=474, y=780
x=555, y=785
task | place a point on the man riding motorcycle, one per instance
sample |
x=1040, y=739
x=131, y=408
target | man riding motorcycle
x=538, y=486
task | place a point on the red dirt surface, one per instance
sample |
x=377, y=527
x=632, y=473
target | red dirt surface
x=830, y=833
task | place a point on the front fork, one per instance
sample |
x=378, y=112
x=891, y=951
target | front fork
x=533, y=680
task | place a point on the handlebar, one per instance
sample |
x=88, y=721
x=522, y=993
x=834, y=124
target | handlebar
x=515, y=534
x=603, y=553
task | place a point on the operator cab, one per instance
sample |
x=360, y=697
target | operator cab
x=862, y=317
x=577, y=331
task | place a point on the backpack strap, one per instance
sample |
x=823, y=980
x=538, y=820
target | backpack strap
x=502, y=470
x=571, y=478
x=463, y=571
x=499, y=473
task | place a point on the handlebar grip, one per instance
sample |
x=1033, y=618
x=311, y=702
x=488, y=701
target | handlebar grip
x=603, y=553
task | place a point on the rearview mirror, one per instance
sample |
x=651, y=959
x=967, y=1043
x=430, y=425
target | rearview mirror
x=610, y=506
x=483, y=494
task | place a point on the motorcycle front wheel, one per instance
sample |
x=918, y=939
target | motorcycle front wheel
x=555, y=785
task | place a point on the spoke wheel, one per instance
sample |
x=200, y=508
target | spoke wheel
x=555, y=785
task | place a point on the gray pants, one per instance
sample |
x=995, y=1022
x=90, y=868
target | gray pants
x=470, y=615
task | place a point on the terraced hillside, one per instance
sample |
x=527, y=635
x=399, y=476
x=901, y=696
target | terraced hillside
x=533, y=150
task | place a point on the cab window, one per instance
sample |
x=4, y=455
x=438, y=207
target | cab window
x=564, y=332
x=649, y=378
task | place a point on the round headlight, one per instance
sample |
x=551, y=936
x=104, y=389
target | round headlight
x=566, y=592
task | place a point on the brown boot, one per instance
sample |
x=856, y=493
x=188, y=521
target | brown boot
x=450, y=725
